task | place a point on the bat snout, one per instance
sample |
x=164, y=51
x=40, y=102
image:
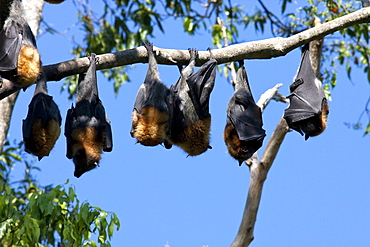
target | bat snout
x=84, y=163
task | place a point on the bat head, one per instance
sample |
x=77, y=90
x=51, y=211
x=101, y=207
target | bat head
x=86, y=149
x=239, y=149
x=84, y=162
x=194, y=139
x=315, y=125
x=150, y=127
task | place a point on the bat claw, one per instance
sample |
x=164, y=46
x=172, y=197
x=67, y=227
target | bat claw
x=209, y=147
x=210, y=52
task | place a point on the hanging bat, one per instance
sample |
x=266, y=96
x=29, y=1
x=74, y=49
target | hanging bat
x=308, y=110
x=152, y=113
x=192, y=120
x=87, y=128
x=19, y=57
x=41, y=128
x=243, y=132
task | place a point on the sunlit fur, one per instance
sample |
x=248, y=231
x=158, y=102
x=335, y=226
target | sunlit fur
x=194, y=139
x=86, y=149
x=314, y=126
x=54, y=1
x=43, y=137
x=29, y=66
x=150, y=127
x=239, y=150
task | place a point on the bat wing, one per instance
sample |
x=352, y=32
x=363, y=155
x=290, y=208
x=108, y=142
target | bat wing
x=306, y=92
x=140, y=98
x=246, y=117
x=42, y=106
x=10, y=45
x=201, y=84
x=104, y=126
x=68, y=128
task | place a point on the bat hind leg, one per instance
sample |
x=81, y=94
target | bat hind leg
x=151, y=126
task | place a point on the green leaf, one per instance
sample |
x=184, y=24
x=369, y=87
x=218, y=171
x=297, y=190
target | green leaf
x=367, y=129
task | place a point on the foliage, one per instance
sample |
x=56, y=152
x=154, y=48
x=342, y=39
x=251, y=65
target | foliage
x=34, y=215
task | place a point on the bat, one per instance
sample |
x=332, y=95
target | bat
x=152, y=113
x=87, y=128
x=308, y=109
x=243, y=134
x=191, y=118
x=41, y=128
x=19, y=57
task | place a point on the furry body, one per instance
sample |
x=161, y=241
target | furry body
x=192, y=122
x=87, y=129
x=152, y=113
x=41, y=128
x=308, y=109
x=243, y=134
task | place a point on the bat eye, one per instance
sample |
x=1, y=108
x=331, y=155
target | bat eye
x=81, y=153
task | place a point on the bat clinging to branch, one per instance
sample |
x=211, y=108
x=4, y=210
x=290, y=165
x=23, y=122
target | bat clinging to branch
x=152, y=113
x=243, y=132
x=41, y=128
x=192, y=120
x=87, y=128
x=19, y=57
x=308, y=110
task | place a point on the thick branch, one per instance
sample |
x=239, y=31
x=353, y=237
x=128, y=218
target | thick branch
x=258, y=176
x=263, y=49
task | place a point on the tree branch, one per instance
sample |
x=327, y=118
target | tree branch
x=263, y=49
x=258, y=174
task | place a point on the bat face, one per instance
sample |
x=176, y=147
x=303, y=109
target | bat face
x=243, y=134
x=192, y=122
x=315, y=125
x=86, y=149
x=41, y=128
x=239, y=149
x=152, y=111
x=87, y=127
x=308, y=110
x=19, y=57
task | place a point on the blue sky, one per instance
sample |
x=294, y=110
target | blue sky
x=317, y=192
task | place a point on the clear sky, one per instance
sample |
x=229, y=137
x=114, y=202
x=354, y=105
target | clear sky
x=317, y=192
